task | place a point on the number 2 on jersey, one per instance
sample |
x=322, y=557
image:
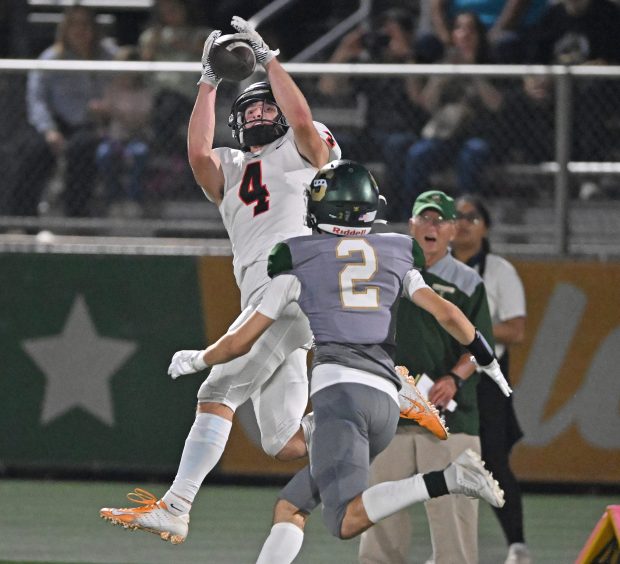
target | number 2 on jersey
x=359, y=273
x=252, y=190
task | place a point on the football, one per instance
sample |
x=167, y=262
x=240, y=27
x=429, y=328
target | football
x=232, y=58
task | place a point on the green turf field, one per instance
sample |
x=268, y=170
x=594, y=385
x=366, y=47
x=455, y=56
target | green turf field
x=58, y=522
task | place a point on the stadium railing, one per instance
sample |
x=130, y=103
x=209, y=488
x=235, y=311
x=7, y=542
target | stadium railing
x=553, y=214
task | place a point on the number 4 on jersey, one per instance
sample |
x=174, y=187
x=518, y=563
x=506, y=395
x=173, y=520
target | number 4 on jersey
x=252, y=190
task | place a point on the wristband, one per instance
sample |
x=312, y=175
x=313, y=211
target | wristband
x=459, y=382
x=198, y=361
x=481, y=350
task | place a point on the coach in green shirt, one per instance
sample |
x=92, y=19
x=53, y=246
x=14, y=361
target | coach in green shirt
x=424, y=348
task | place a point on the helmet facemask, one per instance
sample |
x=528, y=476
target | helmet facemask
x=257, y=135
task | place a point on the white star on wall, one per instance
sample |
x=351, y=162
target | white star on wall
x=78, y=365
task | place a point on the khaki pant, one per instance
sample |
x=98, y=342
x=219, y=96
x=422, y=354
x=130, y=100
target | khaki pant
x=453, y=519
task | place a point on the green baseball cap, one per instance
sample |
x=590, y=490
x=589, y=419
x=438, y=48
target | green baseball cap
x=435, y=200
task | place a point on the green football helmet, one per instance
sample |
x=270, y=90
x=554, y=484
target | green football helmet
x=343, y=199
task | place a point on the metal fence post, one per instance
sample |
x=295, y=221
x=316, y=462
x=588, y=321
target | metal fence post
x=563, y=143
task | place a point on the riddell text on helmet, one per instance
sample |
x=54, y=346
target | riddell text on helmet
x=340, y=231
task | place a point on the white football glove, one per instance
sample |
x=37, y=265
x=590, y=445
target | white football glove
x=495, y=373
x=208, y=76
x=186, y=362
x=247, y=32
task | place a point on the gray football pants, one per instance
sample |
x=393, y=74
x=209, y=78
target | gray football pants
x=353, y=423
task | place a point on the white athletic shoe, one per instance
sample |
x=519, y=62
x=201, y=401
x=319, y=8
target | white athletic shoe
x=152, y=517
x=472, y=479
x=413, y=405
x=518, y=553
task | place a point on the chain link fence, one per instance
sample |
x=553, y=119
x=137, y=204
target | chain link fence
x=540, y=144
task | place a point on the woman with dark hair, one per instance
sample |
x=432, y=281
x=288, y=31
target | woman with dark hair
x=499, y=428
x=461, y=109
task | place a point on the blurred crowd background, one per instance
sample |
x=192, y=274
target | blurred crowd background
x=112, y=145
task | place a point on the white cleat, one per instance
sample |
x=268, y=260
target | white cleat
x=152, y=517
x=474, y=480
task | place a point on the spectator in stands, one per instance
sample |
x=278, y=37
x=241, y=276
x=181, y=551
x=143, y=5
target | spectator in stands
x=579, y=32
x=575, y=32
x=461, y=111
x=58, y=105
x=499, y=428
x=507, y=24
x=126, y=106
x=526, y=122
x=394, y=116
x=172, y=36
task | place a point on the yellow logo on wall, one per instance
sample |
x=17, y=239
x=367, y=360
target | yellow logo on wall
x=567, y=376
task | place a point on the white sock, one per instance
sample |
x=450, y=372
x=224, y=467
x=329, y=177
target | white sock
x=282, y=545
x=387, y=498
x=203, y=449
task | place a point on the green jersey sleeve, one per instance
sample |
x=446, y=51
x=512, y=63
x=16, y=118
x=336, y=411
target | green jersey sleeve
x=280, y=260
x=419, y=261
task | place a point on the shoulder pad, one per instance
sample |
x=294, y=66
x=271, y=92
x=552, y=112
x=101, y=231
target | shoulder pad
x=280, y=260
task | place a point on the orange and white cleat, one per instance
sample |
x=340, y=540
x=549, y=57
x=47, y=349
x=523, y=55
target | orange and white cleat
x=413, y=405
x=153, y=516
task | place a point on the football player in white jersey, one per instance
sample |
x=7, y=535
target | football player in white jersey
x=259, y=190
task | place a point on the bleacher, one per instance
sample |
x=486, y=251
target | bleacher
x=533, y=201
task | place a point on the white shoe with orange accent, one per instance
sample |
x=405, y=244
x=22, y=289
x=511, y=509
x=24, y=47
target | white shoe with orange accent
x=152, y=517
x=413, y=405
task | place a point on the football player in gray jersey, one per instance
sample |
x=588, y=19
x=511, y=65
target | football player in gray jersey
x=348, y=283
